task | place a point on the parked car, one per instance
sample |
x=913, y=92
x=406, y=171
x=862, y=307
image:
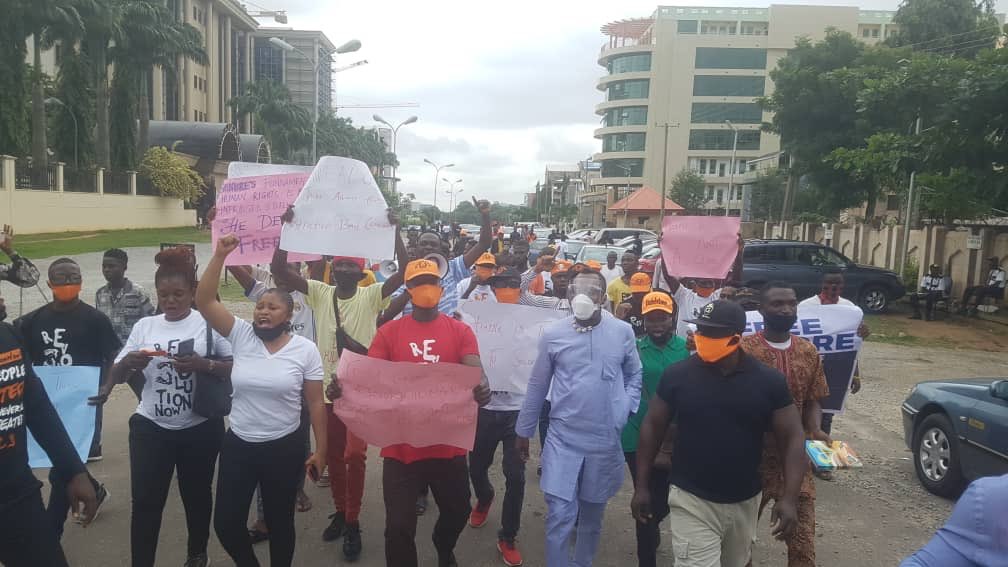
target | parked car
x=542, y=233
x=648, y=260
x=580, y=234
x=536, y=248
x=957, y=431
x=473, y=229
x=803, y=264
x=604, y=234
x=573, y=247
x=597, y=253
x=628, y=241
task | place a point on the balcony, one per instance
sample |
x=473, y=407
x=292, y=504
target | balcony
x=601, y=156
x=618, y=181
x=605, y=105
x=603, y=82
x=619, y=130
x=608, y=52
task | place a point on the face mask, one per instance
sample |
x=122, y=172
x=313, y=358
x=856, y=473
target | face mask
x=779, y=323
x=583, y=307
x=507, y=294
x=830, y=294
x=344, y=279
x=712, y=350
x=66, y=293
x=425, y=296
x=270, y=333
x=704, y=291
x=483, y=273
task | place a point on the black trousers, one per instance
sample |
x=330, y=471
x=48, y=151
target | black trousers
x=156, y=454
x=979, y=292
x=27, y=538
x=401, y=483
x=276, y=466
x=493, y=428
x=929, y=297
x=647, y=534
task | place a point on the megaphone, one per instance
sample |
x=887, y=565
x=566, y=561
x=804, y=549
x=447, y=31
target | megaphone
x=387, y=268
x=438, y=259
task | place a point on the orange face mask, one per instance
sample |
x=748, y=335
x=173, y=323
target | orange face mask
x=704, y=291
x=712, y=350
x=507, y=294
x=425, y=296
x=483, y=273
x=66, y=293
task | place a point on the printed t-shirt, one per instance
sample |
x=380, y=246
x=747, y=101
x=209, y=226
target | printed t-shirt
x=479, y=293
x=266, y=403
x=82, y=336
x=167, y=394
x=618, y=292
x=816, y=300
x=303, y=320
x=407, y=340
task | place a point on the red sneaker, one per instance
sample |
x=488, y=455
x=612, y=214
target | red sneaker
x=478, y=517
x=509, y=552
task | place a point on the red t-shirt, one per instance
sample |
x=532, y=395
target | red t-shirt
x=407, y=340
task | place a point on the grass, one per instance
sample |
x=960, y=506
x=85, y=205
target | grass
x=231, y=291
x=949, y=332
x=46, y=245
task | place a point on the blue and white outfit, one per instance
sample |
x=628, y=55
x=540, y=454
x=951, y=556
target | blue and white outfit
x=595, y=378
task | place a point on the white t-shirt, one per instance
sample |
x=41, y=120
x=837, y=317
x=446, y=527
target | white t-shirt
x=996, y=277
x=561, y=248
x=167, y=395
x=816, y=300
x=266, y=403
x=779, y=346
x=303, y=320
x=689, y=304
x=479, y=293
x=610, y=275
x=932, y=283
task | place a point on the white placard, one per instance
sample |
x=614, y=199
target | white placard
x=246, y=169
x=508, y=335
x=340, y=211
x=973, y=242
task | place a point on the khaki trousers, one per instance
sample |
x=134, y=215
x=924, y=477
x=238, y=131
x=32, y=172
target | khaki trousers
x=708, y=534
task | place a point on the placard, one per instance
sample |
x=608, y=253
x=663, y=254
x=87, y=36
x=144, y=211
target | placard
x=69, y=388
x=699, y=247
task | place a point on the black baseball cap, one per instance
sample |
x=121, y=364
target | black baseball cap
x=721, y=314
x=510, y=274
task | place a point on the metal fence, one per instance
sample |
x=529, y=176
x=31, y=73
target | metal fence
x=79, y=180
x=116, y=182
x=145, y=187
x=30, y=176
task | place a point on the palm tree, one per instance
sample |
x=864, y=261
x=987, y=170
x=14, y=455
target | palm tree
x=286, y=125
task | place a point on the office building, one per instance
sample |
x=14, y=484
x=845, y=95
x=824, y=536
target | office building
x=292, y=69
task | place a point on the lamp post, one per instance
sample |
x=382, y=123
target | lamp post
x=54, y=100
x=451, y=193
x=626, y=206
x=731, y=167
x=437, y=172
x=348, y=47
x=395, y=134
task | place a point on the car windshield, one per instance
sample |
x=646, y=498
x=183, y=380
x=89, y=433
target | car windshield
x=827, y=257
x=598, y=253
x=574, y=246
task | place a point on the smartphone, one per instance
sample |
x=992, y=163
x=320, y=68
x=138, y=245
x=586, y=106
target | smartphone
x=185, y=348
x=312, y=472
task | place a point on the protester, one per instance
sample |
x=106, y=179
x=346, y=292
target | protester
x=659, y=348
x=341, y=311
x=406, y=469
x=121, y=300
x=499, y=246
x=69, y=332
x=630, y=310
x=27, y=535
x=273, y=369
x=520, y=252
x=590, y=366
x=561, y=247
x=637, y=246
x=619, y=290
x=542, y=283
x=931, y=290
x=477, y=286
x=165, y=434
x=690, y=301
x=995, y=288
x=20, y=272
x=722, y=401
x=516, y=235
x=799, y=361
x=611, y=271
x=559, y=278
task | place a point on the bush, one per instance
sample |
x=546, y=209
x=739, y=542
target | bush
x=171, y=175
x=911, y=269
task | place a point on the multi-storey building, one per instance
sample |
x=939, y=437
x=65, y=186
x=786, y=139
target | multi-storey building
x=292, y=68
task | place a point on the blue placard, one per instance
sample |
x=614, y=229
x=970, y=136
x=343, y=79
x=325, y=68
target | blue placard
x=69, y=388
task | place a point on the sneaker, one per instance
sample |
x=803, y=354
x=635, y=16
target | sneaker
x=103, y=496
x=447, y=561
x=352, y=541
x=323, y=481
x=509, y=552
x=478, y=517
x=95, y=456
x=823, y=475
x=197, y=561
x=337, y=526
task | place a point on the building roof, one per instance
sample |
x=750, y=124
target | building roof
x=211, y=140
x=632, y=28
x=644, y=199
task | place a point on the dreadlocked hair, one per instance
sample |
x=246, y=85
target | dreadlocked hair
x=176, y=262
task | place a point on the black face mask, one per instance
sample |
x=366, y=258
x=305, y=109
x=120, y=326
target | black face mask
x=271, y=333
x=779, y=323
x=346, y=280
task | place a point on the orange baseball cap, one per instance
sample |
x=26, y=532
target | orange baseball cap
x=658, y=301
x=486, y=259
x=560, y=266
x=593, y=265
x=422, y=267
x=640, y=282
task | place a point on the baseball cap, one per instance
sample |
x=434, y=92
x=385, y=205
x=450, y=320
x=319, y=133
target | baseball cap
x=640, y=283
x=508, y=274
x=486, y=259
x=658, y=301
x=352, y=259
x=422, y=267
x=721, y=314
x=560, y=266
x=593, y=265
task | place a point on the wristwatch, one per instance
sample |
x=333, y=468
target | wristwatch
x=213, y=365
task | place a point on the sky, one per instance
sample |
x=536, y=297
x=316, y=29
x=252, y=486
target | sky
x=502, y=89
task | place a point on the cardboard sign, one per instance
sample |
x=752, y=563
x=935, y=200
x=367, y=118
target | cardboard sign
x=340, y=212
x=699, y=247
x=248, y=169
x=69, y=388
x=389, y=403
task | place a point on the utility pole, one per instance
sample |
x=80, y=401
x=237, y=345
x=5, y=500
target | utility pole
x=664, y=172
x=908, y=218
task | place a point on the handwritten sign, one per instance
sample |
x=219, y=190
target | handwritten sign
x=69, y=388
x=501, y=326
x=250, y=208
x=340, y=212
x=388, y=403
x=699, y=247
x=832, y=329
x=249, y=169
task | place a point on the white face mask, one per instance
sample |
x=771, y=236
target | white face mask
x=583, y=307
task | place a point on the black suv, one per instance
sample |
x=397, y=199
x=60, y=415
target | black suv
x=803, y=264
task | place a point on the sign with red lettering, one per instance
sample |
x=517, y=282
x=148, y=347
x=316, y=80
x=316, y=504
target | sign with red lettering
x=699, y=247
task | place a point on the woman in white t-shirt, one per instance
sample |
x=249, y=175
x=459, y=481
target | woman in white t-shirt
x=272, y=370
x=165, y=435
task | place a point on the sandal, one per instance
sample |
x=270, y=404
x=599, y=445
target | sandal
x=304, y=503
x=256, y=536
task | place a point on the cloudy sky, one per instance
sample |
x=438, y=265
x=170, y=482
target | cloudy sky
x=503, y=88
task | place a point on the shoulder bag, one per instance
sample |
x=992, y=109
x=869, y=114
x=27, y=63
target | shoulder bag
x=343, y=339
x=212, y=394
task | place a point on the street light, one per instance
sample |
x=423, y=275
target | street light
x=395, y=134
x=451, y=193
x=731, y=174
x=348, y=47
x=54, y=100
x=437, y=172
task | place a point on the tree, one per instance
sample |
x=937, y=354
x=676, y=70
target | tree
x=959, y=28
x=73, y=90
x=15, y=88
x=171, y=175
x=285, y=125
x=768, y=194
x=688, y=189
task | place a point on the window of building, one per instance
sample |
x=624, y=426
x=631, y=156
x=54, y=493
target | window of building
x=630, y=142
x=892, y=203
x=686, y=26
x=710, y=192
x=641, y=220
x=626, y=116
x=623, y=168
x=703, y=166
x=718, y=28
x=635, y=88
x=718, y=112
x=875, y=32
x=715, y=85
x=730, y=58
x=755, y=28
x=720, y=196
x=722, y=139
x=268, y=61
x=721, y=169
x=865, y=32
x=636, y=63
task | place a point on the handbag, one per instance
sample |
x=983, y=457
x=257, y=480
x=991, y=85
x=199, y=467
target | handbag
x=212, y=394
x=343, y=339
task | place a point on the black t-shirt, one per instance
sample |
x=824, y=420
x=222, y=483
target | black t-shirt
x=721, y=421
x=82, y=336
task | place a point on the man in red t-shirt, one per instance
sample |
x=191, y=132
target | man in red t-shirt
x=426, y=337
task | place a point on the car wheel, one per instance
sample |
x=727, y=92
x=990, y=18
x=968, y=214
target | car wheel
x=936, y=456
x=874, y=299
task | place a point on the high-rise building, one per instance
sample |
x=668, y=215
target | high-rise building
x=292, y=69
x=696, y=73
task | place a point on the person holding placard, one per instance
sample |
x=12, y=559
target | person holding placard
x=343, y=311
x=272, y=370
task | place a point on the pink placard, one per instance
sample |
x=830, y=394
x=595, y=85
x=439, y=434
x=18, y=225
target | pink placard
x=388, y=403
x=699, y=247
x=250, y=208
